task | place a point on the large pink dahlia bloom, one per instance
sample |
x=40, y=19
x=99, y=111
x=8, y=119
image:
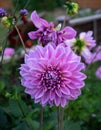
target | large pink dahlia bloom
x=52, y=76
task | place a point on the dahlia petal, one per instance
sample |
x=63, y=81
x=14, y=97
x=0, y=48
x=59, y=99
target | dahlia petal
x=82, y=35
x=75, y=93
x=74, y=85
x=69, y=33
x=31, y=92
x=98, y=72
x=34, y=34
x=80, y=66
x=58, y=92
x=86, y=53
x=63, y=102
x=45, y=98
x=57, y=101
x=39, y=93
x=79, y=75
x=49, y=51
x=52, y=95
x=37, y=100
x=65, y=90
x=37, y=21
x=59, y=51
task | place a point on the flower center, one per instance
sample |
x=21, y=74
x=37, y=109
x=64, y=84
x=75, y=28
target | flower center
x=79, y=44
x=51, y=78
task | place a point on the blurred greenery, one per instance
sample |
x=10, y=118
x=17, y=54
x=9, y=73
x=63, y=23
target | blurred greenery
x=39, y=4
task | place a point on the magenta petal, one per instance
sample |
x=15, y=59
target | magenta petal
x=57, y=101
x=69, y=33
x=33, y=35
x=65, y=90
x=39, y=93
x=37, y=21
x=45, y=98
x=58, y=92
x=63, y=102
x=52, y=95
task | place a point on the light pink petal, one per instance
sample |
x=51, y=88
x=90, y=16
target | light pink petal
x=58, y=92
x=57, y=101
x=45, y=98
x=68, y=33
x=52, y=95
x=65, y=90
x=37, y=21
x=34, y=34
x=39, y=93
x=75, y=93
x=63, y=102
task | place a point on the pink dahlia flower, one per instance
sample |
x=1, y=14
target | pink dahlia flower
x=98, y=73
x=83, y=45
x=46, y=32
x=95, y=56
x=8, y=52
x=88, y=39
x=52, y=76
x=45, y=29
x=87, y=44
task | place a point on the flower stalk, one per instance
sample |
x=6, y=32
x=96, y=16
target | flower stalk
x=20, y=38
x=60, y=114
x=41, y=118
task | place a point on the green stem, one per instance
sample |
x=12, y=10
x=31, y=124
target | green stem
x=60, y=114
x=58, y=117
x=41, y=118
x=20, y=38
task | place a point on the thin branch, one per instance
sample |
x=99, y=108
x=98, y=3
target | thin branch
x=20, y=38
x=41, y=118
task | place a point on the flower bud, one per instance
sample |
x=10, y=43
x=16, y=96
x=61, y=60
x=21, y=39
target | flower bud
x=5, y=22
x=72, y=8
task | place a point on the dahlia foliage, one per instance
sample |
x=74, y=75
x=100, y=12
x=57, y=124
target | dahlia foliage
x=51, y=72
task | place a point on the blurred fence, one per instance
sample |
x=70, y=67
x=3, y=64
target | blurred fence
x=85, y=24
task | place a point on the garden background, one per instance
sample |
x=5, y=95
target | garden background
x=17, y=110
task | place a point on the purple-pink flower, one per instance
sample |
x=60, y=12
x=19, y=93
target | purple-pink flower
x=2, y=12
x=88, y=39
x=52, y=75
x=23, y=12
x=95, y=56
x=98, y=72
x=46, y=32
x=83, y=45
x=8, y=52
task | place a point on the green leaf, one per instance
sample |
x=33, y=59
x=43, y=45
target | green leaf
x=21, y=126
x=15, y=108
x=70, y=125
x=33, y=124
x=2, y=86
x=3, y=118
